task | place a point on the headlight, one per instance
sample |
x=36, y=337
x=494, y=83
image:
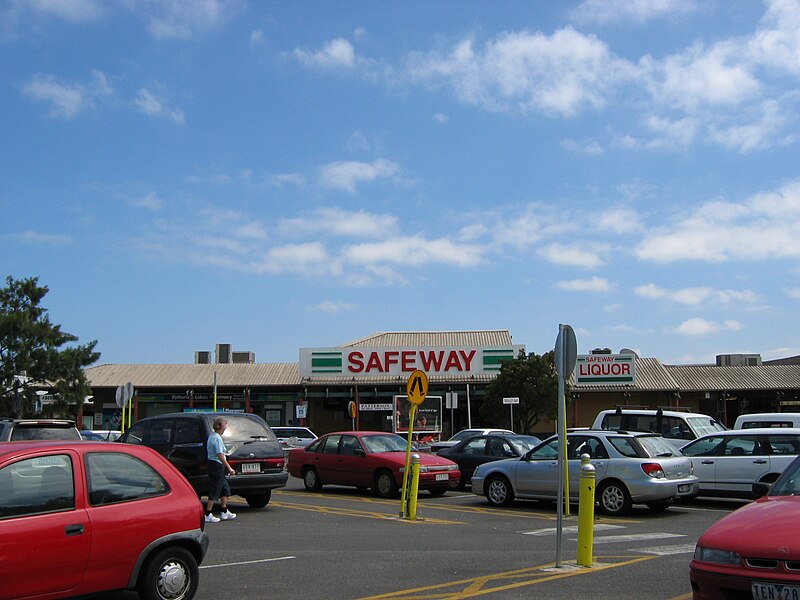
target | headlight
x=714, y=555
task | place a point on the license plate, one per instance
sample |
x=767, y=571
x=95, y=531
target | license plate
x=682, y=489
x=775, y=591
x=251, y=467
x=442, y=477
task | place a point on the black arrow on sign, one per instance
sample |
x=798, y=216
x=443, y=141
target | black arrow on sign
x=417, y=381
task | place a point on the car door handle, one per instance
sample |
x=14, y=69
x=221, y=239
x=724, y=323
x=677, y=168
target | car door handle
x=760, y=461
x=707, y=462
x=76, y=529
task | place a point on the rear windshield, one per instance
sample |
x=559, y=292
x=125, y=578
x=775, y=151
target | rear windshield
x=44, y=432
x=656, y=445
x=246, y=428
x=704, y=425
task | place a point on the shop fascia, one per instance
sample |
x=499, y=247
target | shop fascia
x=402, y=361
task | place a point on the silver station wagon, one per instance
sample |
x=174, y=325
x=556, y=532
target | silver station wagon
x=629, y=468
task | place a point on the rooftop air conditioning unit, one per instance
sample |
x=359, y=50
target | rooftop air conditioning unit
x=223, y=353
x=202, y=357
x=244, y=358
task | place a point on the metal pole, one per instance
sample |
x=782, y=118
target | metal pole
x=469, y=414
x=561, y=448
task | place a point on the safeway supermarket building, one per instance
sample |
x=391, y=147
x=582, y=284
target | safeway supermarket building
x=370, y=372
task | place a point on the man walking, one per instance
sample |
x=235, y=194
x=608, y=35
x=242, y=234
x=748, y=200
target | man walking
x=218, y=467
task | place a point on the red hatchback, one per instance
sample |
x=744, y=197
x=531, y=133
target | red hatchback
x=754, y=552
x=81, y=517
x=368, y=459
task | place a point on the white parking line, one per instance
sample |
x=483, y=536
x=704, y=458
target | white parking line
x=247, y=562
x=570, y=529
x=636, y=537
x=666, y=550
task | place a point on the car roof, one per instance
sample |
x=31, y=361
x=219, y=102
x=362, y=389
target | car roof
x=652, y=411
x=11, y=448
x=754, y=431
x=34, y=420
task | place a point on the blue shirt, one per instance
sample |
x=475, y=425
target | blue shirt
x=215, y=446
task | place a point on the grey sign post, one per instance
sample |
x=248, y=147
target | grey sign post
x=566, y=354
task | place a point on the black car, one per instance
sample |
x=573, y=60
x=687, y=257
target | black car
x=474, y=451
x=253, y=450
x=37, y=429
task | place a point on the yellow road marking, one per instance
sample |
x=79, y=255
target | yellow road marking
x=363, y=514
x=498, y=582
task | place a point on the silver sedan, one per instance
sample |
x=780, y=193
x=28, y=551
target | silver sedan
x=629, y=468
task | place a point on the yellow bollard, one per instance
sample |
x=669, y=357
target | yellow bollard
x=586, y=512
x=412, y=499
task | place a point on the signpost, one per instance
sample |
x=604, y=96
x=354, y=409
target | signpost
x=416, y=389
x=511, y=402
x=451, y=402
x=566, y=353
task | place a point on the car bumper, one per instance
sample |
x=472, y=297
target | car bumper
x=663, y=489
x=428, y=480
x=254, y=483
x=709, y=585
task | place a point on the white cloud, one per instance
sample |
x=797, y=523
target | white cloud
x=618, y=220
x=588, y=256
x=338, y=53
x=257, y=38
x=588, y=147
x=564, y=73
x=776, y=44
x=593, y=284
x=765, y=226
x=153, y=106
x=762, y=132
x=183, y=19
x=71, y=11
x=335, y=221
x=698, y=326
x=150, y=201
x=794, y=293
x=282, y=179
x=346, y=175
x=441, y=118
x=332, y=308
x=415, y=251
x=630, y=11
x=36, y=237
x=67, y=100
x=307, y=259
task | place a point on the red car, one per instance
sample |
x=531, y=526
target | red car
x=368, y=459
x=81, y=517
x=754, y=552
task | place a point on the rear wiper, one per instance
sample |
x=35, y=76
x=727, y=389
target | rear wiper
x=665, y=454
x=256, y=438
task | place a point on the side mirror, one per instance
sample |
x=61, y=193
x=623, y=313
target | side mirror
x=359, y=452
x=761, y=489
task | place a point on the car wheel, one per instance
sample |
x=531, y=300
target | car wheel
x=311, y=480
x=499, y=491
x=614, y=498
x=385, y=485
x=170, y=574
x=439, y=491
x=258, y=500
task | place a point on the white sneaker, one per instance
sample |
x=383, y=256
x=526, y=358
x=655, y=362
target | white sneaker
x=227, y=515
x=211, y=518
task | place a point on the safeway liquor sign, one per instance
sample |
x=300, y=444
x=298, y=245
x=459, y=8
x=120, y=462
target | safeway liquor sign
x=402, y=361
x=605, y=369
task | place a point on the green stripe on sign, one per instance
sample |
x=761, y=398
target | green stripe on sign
x=495, y=360
x=326, y=362
x=605, y=380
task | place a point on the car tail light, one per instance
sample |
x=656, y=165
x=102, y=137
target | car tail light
x=274, y=463
x=653, y=470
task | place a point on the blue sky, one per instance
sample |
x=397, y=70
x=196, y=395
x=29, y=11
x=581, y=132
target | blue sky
x=278, y=175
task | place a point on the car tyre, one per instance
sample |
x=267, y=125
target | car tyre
x=614, y=498
x=170, y=574
x=258, y=500
x=385, y=485
x=439, y=491
x=499, y=491
x=659, y=506
x=311, y=480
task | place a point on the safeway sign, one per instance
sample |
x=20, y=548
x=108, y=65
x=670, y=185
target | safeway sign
x=606, y=369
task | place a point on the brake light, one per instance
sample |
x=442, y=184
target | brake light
x=275, y=463
x=653, y=470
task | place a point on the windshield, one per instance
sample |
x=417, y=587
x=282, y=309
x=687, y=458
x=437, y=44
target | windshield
x=37, y=432
x=287, y=432
x=655, y=445
x=523, y=443
x=788, y=484
x=704, y=425
x=462, y=435
x=246, y=428
x=384, y=443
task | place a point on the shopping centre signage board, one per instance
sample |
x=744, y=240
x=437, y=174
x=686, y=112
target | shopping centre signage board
x=402, y=361
x=606, y=369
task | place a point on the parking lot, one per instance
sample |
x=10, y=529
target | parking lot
x=342, y=543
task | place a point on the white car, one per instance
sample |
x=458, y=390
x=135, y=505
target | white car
x=468, y=433
x=728, y=463
x=678, y=427
x=294, y=437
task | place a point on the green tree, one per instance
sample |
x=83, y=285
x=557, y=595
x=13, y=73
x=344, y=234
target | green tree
x=533, y=379
x=36, y=353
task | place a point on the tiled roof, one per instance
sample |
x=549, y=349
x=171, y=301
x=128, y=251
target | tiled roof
x=711, y=378
x=393, y=339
